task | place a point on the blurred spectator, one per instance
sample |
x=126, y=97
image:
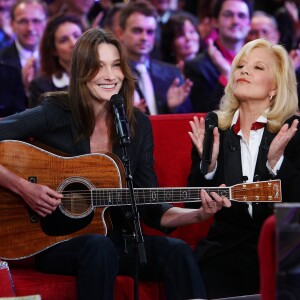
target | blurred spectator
x=263, y=26
x=28, y=22
x=6, y=31
x=12, y=96
x=180, y=40
x=209, y=71
x=111, y=21
x=59, y=38
x=161, y=88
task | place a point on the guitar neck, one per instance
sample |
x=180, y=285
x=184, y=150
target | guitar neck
x=263, y=191
x=116, y=197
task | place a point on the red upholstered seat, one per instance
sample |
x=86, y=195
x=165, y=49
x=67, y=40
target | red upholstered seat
x=267, y=258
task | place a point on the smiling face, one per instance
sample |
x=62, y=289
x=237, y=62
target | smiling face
x=109, y=79
x=253, y=77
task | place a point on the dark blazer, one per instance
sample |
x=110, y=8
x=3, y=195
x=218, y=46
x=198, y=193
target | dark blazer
x=12, y=96
x=234, y=235
x=162, y=75
x=10, y=56
x=206, y=91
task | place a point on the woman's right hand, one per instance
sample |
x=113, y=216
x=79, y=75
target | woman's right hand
x=197, y=136
x=40, y=198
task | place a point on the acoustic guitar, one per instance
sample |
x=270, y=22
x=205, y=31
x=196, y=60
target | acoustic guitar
x=87, y=196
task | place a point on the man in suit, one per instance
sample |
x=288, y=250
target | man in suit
x=209, y=70
x=12, y=96
x=28, y=22
x=168, y=91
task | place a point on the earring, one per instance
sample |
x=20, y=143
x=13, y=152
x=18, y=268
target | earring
x=270, y=97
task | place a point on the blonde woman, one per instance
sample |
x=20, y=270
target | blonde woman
x=257, y=140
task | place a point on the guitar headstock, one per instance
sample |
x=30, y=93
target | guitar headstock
x=260, y=191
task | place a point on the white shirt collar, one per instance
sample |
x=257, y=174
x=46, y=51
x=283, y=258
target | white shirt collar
x=62, y=82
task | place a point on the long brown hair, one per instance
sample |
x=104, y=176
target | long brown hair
x=84, y=67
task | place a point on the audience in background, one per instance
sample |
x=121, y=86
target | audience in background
x=161, y=88
x=209, y=71
x=180, y=40
x=57, y=44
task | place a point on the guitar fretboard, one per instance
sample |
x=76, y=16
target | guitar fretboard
x=113, y=197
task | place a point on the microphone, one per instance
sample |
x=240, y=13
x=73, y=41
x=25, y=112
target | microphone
x=117, y=104
x=211, y=121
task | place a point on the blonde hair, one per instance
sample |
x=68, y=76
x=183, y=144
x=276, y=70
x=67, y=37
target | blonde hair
x=283, y=105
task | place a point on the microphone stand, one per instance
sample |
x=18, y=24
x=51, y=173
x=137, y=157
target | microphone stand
x=140, y=253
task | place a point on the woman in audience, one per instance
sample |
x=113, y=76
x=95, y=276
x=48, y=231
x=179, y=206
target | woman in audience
x=180, y=40
x=59, y=38
x=257, y=140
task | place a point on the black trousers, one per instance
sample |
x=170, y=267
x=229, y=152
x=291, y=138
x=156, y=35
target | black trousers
x=169, y=260
x=92, y=259
x=96, y=259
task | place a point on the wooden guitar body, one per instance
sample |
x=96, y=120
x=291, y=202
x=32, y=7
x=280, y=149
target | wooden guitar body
x=22, y=232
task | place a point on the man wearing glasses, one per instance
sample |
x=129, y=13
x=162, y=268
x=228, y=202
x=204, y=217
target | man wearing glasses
x=28, y=19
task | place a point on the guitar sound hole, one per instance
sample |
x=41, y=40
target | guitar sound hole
x=77, y=199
